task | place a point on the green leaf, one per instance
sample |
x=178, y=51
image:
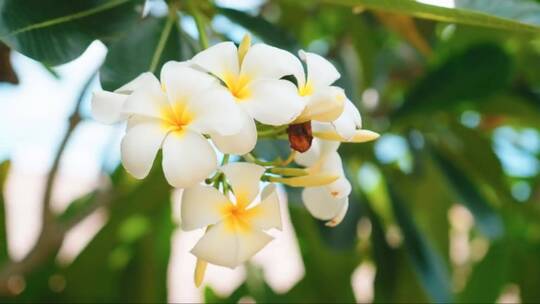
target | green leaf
x=489, y=276
x=4, y=168
x=428, y=264
x=487, y=219
x=259, y=26
x=146, y=47
x=499, y=14
x=472, y=151
x=476, y=73
x=58, y=31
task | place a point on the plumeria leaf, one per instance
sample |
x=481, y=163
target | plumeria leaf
x=515, y=15
x=58, y=31
x=489, y=275
x=268, y=32
x=427, y=262
x=156, y=40
x=475, y=74
x=485, y=215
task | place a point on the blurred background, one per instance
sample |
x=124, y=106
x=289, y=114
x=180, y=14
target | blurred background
x=445, y=205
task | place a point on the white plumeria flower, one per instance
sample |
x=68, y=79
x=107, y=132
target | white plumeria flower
x=172, y=116
x=107, y=106
x=323, y=101
x=252, y=77
x=329, y=202
x=346, y=128
x=236, y=227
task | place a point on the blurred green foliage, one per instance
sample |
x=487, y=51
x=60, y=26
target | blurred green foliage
x=444, y=84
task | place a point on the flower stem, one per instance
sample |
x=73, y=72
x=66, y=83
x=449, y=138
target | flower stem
x=252, y=159
x=171, y=19
x=274, y=132
x=199, y=22
x=289, y=159
x=225, y=159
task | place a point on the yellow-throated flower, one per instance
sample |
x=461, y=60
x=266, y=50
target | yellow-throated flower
x=328, y=202
x=172, y=115
x=252, y=75
x=236, y=223
x=324, y=102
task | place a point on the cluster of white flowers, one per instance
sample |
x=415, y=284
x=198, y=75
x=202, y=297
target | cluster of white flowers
x=218, y=96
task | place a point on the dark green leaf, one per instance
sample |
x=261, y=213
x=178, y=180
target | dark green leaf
x=489, y=276
x=427, y=262
x=486, y=217
x=476, y=73
x=146, y=47
x=499, y=14
x=58, y=31
x=472, y=150
x=259, y=26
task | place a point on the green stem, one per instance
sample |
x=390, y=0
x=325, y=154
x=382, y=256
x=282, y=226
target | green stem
x=225, y=159
x=274, y=132
x=252, y=159
x=199, y=22
x=171, y=19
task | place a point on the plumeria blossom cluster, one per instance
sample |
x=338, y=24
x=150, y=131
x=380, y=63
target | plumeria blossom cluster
x=219, y=103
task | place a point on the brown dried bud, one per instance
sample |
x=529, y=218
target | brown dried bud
x=300, y=136
x=7, y=74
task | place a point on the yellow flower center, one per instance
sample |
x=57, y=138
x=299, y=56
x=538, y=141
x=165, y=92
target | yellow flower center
x=306, y=89
x=176, y=117
x=237, y=85
x=238, y=217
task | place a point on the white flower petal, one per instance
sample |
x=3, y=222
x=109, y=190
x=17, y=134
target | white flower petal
x=311, y=156
x=267, y=213
x=321, y=204
x=273, y=102
x=188, y=158
x=264, y=61
x=144, y=79
x=346, y=124
x=244, y=179
x=201, y=206
x=182, y=83
x=242, y=142
x=227, y=247
x=134, y=120
x=331, y=163
x=147, y=99
x=107, y=107
x=220, y=59
x=140, y=146
x=320, y=72
x=340, y=188
x=319, y=149
x=341, y=215
x=215, y=111
x=324, y=105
